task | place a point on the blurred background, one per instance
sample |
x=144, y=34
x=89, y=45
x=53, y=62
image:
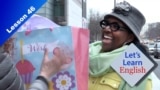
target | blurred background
x=88, y=13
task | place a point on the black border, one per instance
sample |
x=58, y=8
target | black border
x=152, y=69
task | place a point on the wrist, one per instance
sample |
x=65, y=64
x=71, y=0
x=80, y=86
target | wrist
x=44, y=75
x=42, y=78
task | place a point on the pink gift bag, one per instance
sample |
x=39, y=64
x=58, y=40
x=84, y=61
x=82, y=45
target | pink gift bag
x=81, y=45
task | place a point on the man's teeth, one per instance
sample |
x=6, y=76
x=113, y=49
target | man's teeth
x=107, y=37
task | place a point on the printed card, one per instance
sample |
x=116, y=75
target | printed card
x=133, y=66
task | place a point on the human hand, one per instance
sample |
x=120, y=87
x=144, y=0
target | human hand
x=51, y=66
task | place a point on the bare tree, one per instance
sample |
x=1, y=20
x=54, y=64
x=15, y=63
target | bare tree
x=153, y=31
x=95, y=30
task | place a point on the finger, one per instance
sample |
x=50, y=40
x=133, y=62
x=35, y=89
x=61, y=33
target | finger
x=68, y=60
x=59, y=55
x=45, y=54
x=56, y=51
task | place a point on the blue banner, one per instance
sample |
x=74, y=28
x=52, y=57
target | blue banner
x=14, y=13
